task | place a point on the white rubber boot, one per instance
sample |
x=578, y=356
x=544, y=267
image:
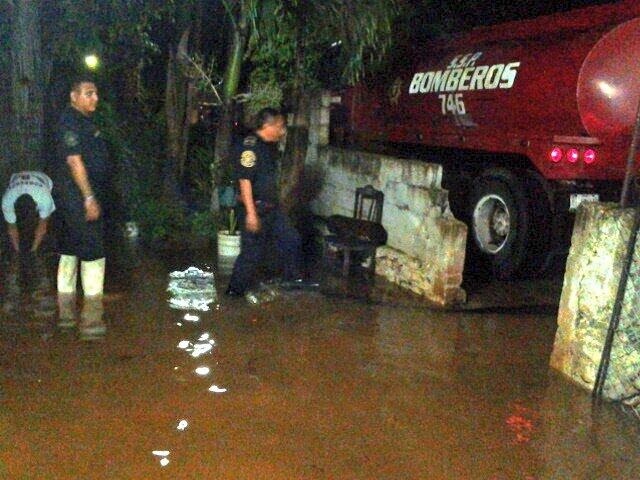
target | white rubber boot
x=67, y=274
x=67, y=281
x=92, y=278
x=91, y=323
x=66, y=310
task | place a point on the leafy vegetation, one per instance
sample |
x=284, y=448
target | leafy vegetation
x=273, y=49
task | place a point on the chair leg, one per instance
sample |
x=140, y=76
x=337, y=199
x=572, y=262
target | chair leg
x=372, y=264
x=346, y=262
x=324, y=260
x=326, y=255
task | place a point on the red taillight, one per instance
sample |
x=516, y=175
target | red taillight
x=589, y=156
x=573, y=155
x=555, y=155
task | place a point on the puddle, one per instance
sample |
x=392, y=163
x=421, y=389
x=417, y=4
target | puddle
x=307, y=386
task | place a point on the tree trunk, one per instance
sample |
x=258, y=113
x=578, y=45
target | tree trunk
x=292, y=163
x=175, y=114
x=229, y=90
x=132, y=87
x=26, y=86
x=222, y=151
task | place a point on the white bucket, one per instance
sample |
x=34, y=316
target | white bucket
x=228, y=245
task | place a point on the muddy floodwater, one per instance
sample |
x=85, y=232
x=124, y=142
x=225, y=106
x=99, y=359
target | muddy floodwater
x=309, y=386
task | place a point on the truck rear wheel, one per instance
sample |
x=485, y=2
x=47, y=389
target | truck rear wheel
x=500, y=223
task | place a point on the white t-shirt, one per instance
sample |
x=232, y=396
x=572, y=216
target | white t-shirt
x=35, y=184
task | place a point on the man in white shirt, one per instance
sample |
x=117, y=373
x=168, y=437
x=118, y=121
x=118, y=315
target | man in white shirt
x=38, y=186
x=27, y=206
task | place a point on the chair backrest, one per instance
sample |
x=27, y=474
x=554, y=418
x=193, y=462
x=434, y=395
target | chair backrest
x=368, y=204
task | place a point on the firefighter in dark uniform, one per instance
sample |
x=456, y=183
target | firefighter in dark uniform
x=260, y=216
x=79, y=185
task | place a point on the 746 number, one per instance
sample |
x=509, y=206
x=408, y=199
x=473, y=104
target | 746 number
x=452, y=103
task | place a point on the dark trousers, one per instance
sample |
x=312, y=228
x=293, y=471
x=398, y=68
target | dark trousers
x=277, y=231
x=25, y=269
x=76, y=236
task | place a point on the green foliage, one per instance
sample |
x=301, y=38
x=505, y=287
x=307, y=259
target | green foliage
x=135, y=154
x=160, y=220
x=207, y=224
x=113, y=131
x=263, y=94
x=204, y=224
x=205, y=72
x=287, y=40
x=232, y=220
x=204, y=169
x=294, y=38
x=117, y=29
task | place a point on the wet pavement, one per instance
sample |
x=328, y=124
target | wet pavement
x=313, y=385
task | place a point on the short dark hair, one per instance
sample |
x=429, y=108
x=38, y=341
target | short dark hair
x=77, y=80
x=26, y=219
x=266, y=115
x=25, y=207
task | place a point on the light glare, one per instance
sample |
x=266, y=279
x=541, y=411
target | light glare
x=91, y=61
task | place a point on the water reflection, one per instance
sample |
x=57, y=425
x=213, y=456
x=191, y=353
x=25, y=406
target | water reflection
x=92, y=325
x=182, y=425
x=27, y=286
x=217, y=389
x=163, y=454
x=520, y=421
x=335, y=388
x=202, y=371
x=225, y=265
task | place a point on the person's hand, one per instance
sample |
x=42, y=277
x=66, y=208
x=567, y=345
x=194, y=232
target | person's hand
x=252, y=223
x=12, y=230
x=91, y=209
x=41, y=231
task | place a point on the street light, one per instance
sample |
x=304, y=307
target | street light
x=91, y=61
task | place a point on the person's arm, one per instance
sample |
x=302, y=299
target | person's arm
x=252, y=222
x=41, y=231
x=12, y=230
x=81, y=179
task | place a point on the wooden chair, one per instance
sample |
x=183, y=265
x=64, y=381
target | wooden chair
x=363, y=233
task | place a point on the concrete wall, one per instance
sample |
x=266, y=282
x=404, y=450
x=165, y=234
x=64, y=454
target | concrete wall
x=594, y=267
x=426, y=245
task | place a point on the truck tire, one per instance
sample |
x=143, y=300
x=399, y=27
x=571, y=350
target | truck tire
x=500, y=224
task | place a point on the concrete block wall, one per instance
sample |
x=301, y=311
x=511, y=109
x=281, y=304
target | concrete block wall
x=594, y=267
x=426, y=245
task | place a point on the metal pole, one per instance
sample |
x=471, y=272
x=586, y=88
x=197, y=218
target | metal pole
x=631, y=158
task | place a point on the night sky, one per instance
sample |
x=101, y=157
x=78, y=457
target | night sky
x=432, y=16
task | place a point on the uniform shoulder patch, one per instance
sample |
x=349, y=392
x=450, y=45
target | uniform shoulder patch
x=248, y=159
x=71, y=138
x=250, y=141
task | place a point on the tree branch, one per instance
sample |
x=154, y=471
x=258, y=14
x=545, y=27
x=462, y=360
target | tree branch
x=227, y=7
x=184, y=57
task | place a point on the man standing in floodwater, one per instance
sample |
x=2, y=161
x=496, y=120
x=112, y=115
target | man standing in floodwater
x=261, y=218
x=80, y=184
x=27, y=206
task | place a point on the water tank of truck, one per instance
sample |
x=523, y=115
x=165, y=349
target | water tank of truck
x=609, y=82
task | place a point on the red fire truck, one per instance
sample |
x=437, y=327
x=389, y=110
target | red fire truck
x=528, y=118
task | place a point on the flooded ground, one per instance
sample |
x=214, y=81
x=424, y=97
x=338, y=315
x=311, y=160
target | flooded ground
x=311, y=386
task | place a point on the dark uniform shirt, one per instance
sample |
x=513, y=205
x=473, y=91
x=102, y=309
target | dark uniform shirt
x=77, y=135
x=255, y=160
